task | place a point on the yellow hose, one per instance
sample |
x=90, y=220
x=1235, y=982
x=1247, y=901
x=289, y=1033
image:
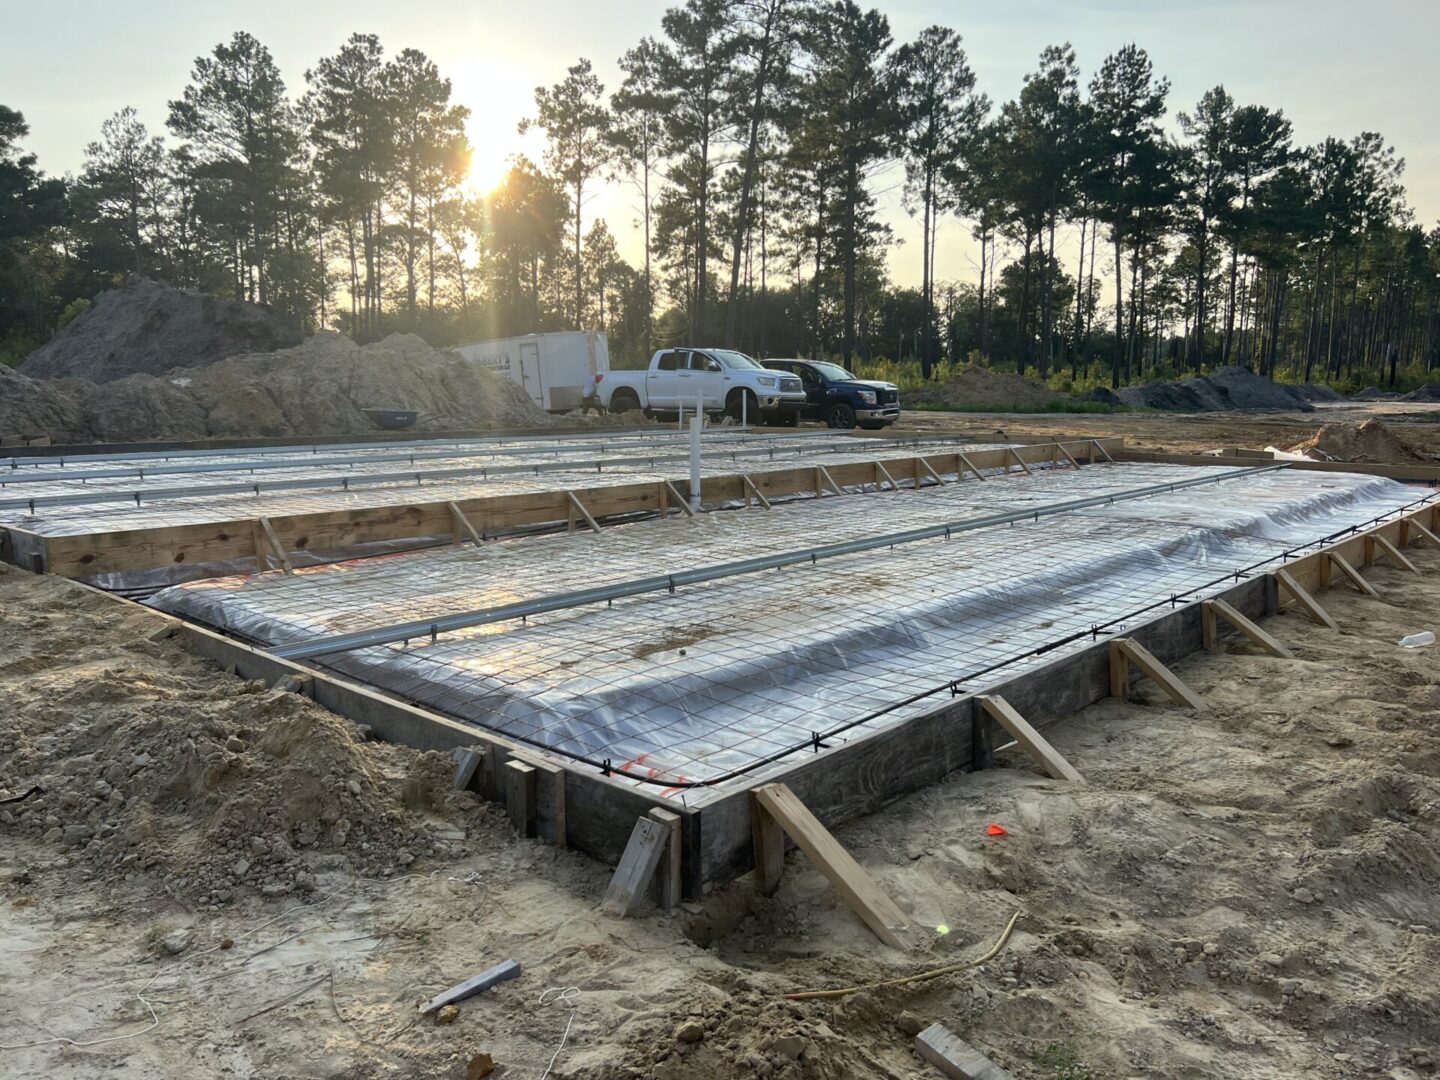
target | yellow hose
x=933, y=973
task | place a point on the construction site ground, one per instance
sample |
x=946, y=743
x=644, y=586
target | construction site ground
x=221, y=879
x=1416, y=422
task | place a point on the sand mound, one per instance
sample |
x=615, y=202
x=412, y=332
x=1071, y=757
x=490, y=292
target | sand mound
x=1223, y=389
x=1369, y=442
x=319, y=387
x=146, y=327
x=982, y=386
x=152, y=763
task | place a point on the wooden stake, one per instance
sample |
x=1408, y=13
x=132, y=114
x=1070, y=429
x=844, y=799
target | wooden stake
x=1018, y=460
x=768, y=840
x=1127, y=651
x=637, y=866
x=267, y=532
x=1096, y=444
x=753, y=490
x=520, y=796
x=865, y=898
x=1210, y=610
x=1305, y=600
x=968, y=465
x=1035, y=744
x=880, y=468
x=578, y=505
x=829, y=479
x=1352, y=574
x=1068, y=456
x=667, y=873
x=462, y=526
x=1425, y=534
x=933, y=474
x=680, y=500
x=1375, y=540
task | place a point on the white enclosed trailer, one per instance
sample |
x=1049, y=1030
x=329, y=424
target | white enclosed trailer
x=551, y=368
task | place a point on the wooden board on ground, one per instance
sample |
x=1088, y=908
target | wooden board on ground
x=1038, y=747
x=953, y=1056
x=866, y=899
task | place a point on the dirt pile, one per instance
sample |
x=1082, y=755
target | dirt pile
x=151, y=764
x=319, y=387
x=1223, y=389
x=981, y=386
x=145, y=327
x=1423, y=392
x=1370, y=442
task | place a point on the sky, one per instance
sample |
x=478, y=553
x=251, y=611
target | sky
x=1335, y=67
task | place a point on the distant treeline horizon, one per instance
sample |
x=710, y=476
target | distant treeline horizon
x=752, y=132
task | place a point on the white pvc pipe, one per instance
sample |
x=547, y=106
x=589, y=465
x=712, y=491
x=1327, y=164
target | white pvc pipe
x=696, y=423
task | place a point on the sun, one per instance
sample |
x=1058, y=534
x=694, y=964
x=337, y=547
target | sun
x=499, y=96
x=487, y=171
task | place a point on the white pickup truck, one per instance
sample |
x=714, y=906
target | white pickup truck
x=726, y=382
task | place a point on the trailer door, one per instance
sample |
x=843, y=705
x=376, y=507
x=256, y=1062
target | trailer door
x=530, y=376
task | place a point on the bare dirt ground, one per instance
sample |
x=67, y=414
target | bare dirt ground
x=222, y=880
x=1417, y=423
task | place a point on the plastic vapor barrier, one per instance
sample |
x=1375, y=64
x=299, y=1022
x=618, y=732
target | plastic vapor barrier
x=692, y=686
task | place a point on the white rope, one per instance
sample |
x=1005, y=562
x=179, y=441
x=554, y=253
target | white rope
x=567, y=994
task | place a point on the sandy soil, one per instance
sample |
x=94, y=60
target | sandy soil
x=1247, y=893
x=1417, y=423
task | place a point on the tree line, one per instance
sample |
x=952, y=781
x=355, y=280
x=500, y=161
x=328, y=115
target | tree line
x=757, y=137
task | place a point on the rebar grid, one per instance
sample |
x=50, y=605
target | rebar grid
x=349, y=490
x=718, y=677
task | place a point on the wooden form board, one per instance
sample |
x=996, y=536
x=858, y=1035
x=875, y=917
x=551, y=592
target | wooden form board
x=1313, y=572
x=836, y=783
x=151, y=548
x=1411, y=473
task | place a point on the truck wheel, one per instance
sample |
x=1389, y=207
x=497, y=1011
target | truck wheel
x=624, y=401
x=840, y=415
x=751, y=406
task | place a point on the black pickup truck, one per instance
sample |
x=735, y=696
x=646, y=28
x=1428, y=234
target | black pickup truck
x=839, y=398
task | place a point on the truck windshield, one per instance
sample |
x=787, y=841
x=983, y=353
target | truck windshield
x=833, y=372
x=733, y=359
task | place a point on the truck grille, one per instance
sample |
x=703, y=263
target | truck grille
x=887, y=397
x=790, y=384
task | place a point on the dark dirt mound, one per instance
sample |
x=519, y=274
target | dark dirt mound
x=1370, y=442
x=317, y=388
x=1424, y=392
x=145, y=327
x=1374, y=393
x=1314, y=391
x=1223, y=389
x=1101, y=395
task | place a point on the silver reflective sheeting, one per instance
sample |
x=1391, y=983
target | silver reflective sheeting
x=719, y=676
